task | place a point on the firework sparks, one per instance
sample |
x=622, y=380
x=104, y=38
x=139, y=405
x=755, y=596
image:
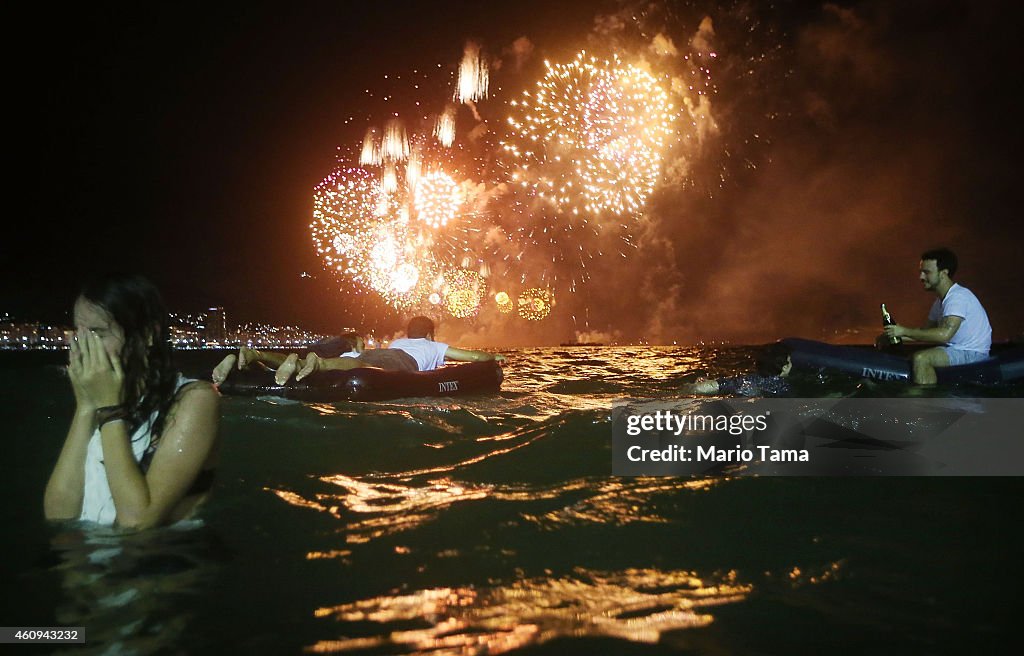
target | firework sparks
x=437, y=199
x=463, y=291
x=444, y=130
x=395, y=268
x=504, y=302
x=389, y=179
x=370, y=155
x=344, y=213
x=395, y=146
x=413, y=169
x=535, y=304
x=404, y=278
x=584, y=150
x=473, y=75
x=590, y=139
x=361, y=235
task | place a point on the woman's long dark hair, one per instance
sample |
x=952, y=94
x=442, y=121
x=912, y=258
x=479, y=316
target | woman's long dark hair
x=150, y=381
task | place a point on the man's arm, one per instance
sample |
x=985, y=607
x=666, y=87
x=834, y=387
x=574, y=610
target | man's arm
x=702, y=386
x=470, y=355
x=940, y=334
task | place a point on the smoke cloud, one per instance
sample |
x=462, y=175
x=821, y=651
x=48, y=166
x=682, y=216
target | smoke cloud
x=805, y=186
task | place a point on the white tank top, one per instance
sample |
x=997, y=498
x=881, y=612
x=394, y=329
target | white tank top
x=97, y=501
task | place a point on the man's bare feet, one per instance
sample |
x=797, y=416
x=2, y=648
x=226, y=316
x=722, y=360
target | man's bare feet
x=287, y=368
x=247, y=356
x=310, y=366
x=221, y=371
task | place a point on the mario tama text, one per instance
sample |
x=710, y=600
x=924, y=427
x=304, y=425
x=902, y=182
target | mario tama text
x=715, y=454
x=818, y=437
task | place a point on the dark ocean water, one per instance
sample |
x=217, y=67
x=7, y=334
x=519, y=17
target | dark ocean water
x=492, y=524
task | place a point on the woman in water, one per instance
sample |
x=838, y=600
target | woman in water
x=142, y=446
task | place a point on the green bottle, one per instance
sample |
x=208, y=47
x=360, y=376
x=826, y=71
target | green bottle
x=887, y=321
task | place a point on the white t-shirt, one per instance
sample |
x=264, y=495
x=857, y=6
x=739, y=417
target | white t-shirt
x=975, y=332
x=427, y=354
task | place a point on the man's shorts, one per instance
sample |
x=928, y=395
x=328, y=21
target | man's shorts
x=959, y=356
x=390, y=359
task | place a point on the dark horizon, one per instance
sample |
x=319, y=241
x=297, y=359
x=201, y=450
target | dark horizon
x=184, y=143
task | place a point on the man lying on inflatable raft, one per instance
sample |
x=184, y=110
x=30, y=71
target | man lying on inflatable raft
x=345, y=370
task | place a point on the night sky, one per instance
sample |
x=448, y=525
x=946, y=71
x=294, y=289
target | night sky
x=183, y=142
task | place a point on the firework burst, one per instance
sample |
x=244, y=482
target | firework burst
x=463, y=291
x=345, y=213
x=535, y=304
x=370, y=155
x=444, y=129
x=473, y=76
x=395, y=143
x=504, y=302
x=437, y=199
x=362, y=236
x=589, y=140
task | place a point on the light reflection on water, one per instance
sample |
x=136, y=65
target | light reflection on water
x=563, y=403
x=375, y=508
x=130, y=590
x=635, y=604
x=618, y=502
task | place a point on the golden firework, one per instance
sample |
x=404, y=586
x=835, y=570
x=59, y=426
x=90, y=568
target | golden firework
x=473, y=75
x=345, y=215
x=444, y=130
x=437, y=199
x=463, y=292
x=370, y=155
x=395, y=144
x=589, y=140
x=504, y=302
x=535, y=303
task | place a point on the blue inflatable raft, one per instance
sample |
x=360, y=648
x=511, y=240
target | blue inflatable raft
x=1005, y=365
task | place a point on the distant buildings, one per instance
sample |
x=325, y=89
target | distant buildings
x=187, y=331
x=210, y=330
x=22, y=335
x=216, y=326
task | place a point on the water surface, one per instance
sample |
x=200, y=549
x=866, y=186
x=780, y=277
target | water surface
x=492, y=524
